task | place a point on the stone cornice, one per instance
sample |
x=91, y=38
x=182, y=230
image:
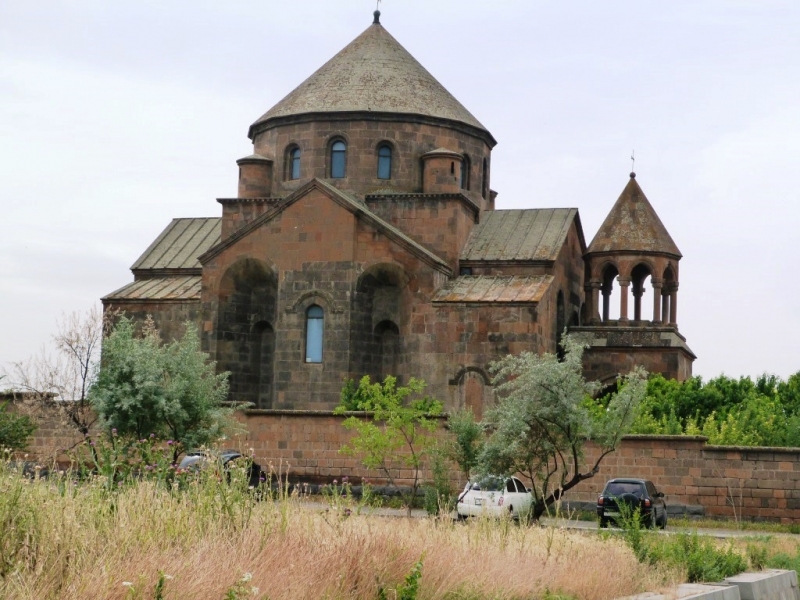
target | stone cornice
x=269, y=200
x=419, y=196
x=262, y=126
x=142, y=274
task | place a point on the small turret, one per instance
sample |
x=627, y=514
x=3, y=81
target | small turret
x=255, y=176
x=442, y=172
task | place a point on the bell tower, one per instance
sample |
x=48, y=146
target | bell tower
x=633, y=254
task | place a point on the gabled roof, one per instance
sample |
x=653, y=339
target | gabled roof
x=373, y=73
x=633, y=226
x=350, y=203
x=520, y=235
x=494, y=288
x=179, y=245
x=163, y=289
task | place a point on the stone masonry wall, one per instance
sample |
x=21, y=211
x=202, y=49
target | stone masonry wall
x=409, y=141
x=732, y=482
x=169, y=317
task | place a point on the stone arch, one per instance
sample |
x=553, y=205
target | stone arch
x=307, y=298
x=484, y=178
x=473, y=390
x=609, y=272
x=376, y=322
x=608, y=384
x=392, y=159
x=466, y=172
x=245, y=330
x=339, y=136
x=669, y=295
x=288, y=162
x=641, y=274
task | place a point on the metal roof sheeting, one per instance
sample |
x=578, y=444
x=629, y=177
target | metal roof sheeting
x=524, y=235
x=179, y=245
x=494, y=288
x=172, y=287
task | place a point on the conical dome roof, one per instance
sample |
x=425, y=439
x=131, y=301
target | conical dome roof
x=633, y=226
x=373, y=73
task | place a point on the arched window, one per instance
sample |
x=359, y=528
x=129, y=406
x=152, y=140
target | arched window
x=484, y=180
x=465, y=173
x=314, y=329
x=294, y=163
x=338, y=159
x=385, y=162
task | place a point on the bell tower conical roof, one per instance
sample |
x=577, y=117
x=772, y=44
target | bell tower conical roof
x=633, y=226
x=373, y=73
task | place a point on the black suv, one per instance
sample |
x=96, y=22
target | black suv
x=635, y=493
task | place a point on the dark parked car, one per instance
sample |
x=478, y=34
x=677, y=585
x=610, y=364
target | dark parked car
x=634, y=493
x=199, y=459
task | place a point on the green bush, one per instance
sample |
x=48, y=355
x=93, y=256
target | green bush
x=730, y=412
x=699, y=555
x=170, y=391
x=14, y=429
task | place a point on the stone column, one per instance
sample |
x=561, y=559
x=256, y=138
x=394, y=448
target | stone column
x=624, y=284
x=606, y=297
x=673, y=305
x=657, y=283
x=638, y=292
x=664, y=305
x=593, y=294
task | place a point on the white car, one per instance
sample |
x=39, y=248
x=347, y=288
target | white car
x=494, y=496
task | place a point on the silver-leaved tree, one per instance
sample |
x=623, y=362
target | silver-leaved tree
x=170, y=391
x=545, y=415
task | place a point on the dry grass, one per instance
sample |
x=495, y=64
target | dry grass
x=82, y=542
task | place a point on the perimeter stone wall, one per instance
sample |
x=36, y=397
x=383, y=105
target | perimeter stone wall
x=717, y=481
x=726, y=481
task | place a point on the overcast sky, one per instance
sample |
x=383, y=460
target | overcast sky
x=117, y=116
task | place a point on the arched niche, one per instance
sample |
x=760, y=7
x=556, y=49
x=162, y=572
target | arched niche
x=376, y=321
x=472, y=391
x=246, y=330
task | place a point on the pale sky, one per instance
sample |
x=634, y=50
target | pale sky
x=117, y=116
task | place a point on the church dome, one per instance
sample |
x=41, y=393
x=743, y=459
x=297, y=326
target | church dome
x=372, y=74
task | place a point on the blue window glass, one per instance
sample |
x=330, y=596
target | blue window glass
x=385, y=162
x=294, y=170
x=338, y=156
x=314, y=329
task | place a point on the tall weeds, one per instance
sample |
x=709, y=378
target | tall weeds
x=211, y=539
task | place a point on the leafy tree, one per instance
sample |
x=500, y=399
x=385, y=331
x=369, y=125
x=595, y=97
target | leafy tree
x=59, y=381
x=543, y=419
x=15, y=429
x=789, y=393
x=397, y=430
x=169, y=391
x=466, y=441
x=730, y=412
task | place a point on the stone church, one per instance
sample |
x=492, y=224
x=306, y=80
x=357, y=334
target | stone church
x=364, y=239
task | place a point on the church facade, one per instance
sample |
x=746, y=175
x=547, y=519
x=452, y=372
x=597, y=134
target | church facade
x=364, y=240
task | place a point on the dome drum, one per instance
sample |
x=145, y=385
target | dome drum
x=409, y=141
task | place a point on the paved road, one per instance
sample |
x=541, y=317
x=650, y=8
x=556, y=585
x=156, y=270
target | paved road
x=564, y=523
